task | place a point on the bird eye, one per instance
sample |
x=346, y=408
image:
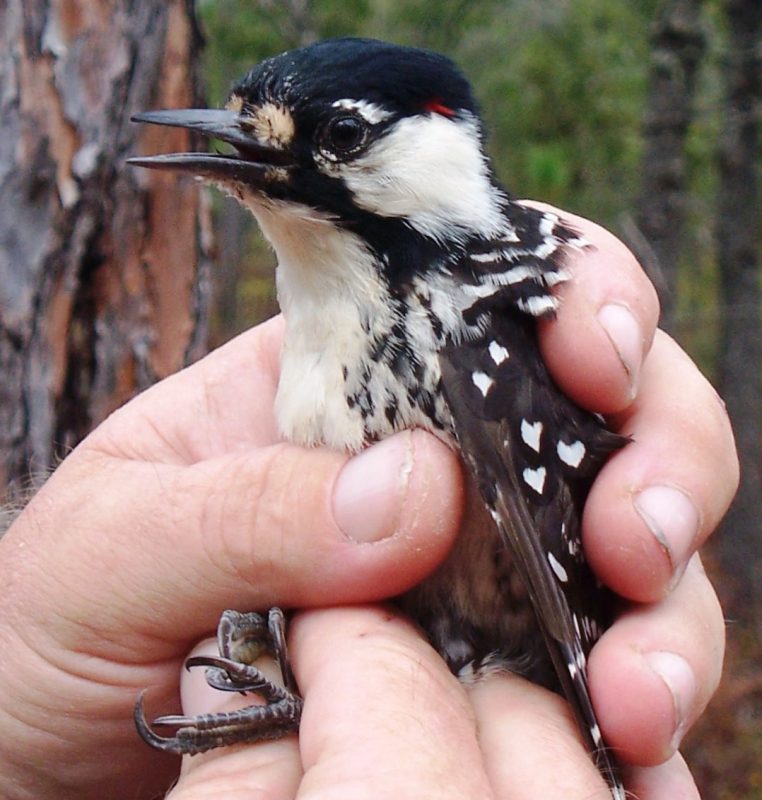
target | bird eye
x=345, y=134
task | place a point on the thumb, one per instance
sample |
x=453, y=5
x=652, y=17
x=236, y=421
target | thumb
x=279, y=525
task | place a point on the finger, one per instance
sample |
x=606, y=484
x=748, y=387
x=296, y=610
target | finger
x=282, y=525
x=653, y=672
x=595, y=346
x=383, y=717
x=223, y=403
x=671, y=780
x=657, y=500
x=531, y=744
x=265, y=769
x=240, y=773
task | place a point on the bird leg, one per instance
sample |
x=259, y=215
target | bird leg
x=241, y=640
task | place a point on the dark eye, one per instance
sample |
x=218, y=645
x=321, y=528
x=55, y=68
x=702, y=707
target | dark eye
x=345, y=134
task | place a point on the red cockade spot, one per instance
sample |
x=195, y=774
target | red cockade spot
x=436, y=106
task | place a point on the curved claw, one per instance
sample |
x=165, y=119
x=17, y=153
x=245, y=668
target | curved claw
x=202, y=733
x=168, y=744
x=177, y=720
x=218, y=673
x=220, y=662
x=247, y=636
x=232, y=676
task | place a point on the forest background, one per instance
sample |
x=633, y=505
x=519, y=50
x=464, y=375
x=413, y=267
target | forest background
x=642, y=115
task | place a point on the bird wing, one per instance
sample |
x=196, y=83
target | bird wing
x=534, y=454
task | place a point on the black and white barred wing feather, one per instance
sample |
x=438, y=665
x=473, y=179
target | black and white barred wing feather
x=533, y=454
x=530, y=470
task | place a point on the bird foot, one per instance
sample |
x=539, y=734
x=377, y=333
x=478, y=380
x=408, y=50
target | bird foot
x=241, y=639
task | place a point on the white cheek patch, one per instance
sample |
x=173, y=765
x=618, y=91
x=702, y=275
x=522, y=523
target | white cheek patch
x=431, y=171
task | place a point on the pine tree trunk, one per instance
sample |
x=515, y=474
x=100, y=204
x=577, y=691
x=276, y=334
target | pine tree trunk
x=101, y=291
x=739, y=221
x=677, y=45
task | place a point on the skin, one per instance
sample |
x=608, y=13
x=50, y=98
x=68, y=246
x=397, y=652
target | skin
x=185, y=502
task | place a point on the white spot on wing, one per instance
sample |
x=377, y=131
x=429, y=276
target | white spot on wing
x=530, y=433
x=482, y=381
x=510, y=276
x=548, y=223
x=571, y=454
x=557, y=568
x=554, y=278
x=535, y=478
x=498, y=353
x=481, y=289
x=488, y=258
x=595, y=732
x=537, y=306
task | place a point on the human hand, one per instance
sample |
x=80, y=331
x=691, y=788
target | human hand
x=366, y=674
x=182, y=504
x=652, y=506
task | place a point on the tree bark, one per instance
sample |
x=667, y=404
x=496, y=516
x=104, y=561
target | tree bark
x=102, y=285
x=739, y=215
x=677, y=45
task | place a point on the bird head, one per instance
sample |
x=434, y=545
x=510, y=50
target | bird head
x=365, y=135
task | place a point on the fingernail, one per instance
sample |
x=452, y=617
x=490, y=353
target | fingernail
x=625, y=335
x=672, y=519
x=678, y=676
x=370, y=490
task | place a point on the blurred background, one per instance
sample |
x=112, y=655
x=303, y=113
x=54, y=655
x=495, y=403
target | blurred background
x=642, y=115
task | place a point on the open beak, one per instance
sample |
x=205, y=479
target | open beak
x=251, y=162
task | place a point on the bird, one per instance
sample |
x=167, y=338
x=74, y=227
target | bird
x=411, y=282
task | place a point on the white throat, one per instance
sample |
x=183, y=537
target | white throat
x=335, y=305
